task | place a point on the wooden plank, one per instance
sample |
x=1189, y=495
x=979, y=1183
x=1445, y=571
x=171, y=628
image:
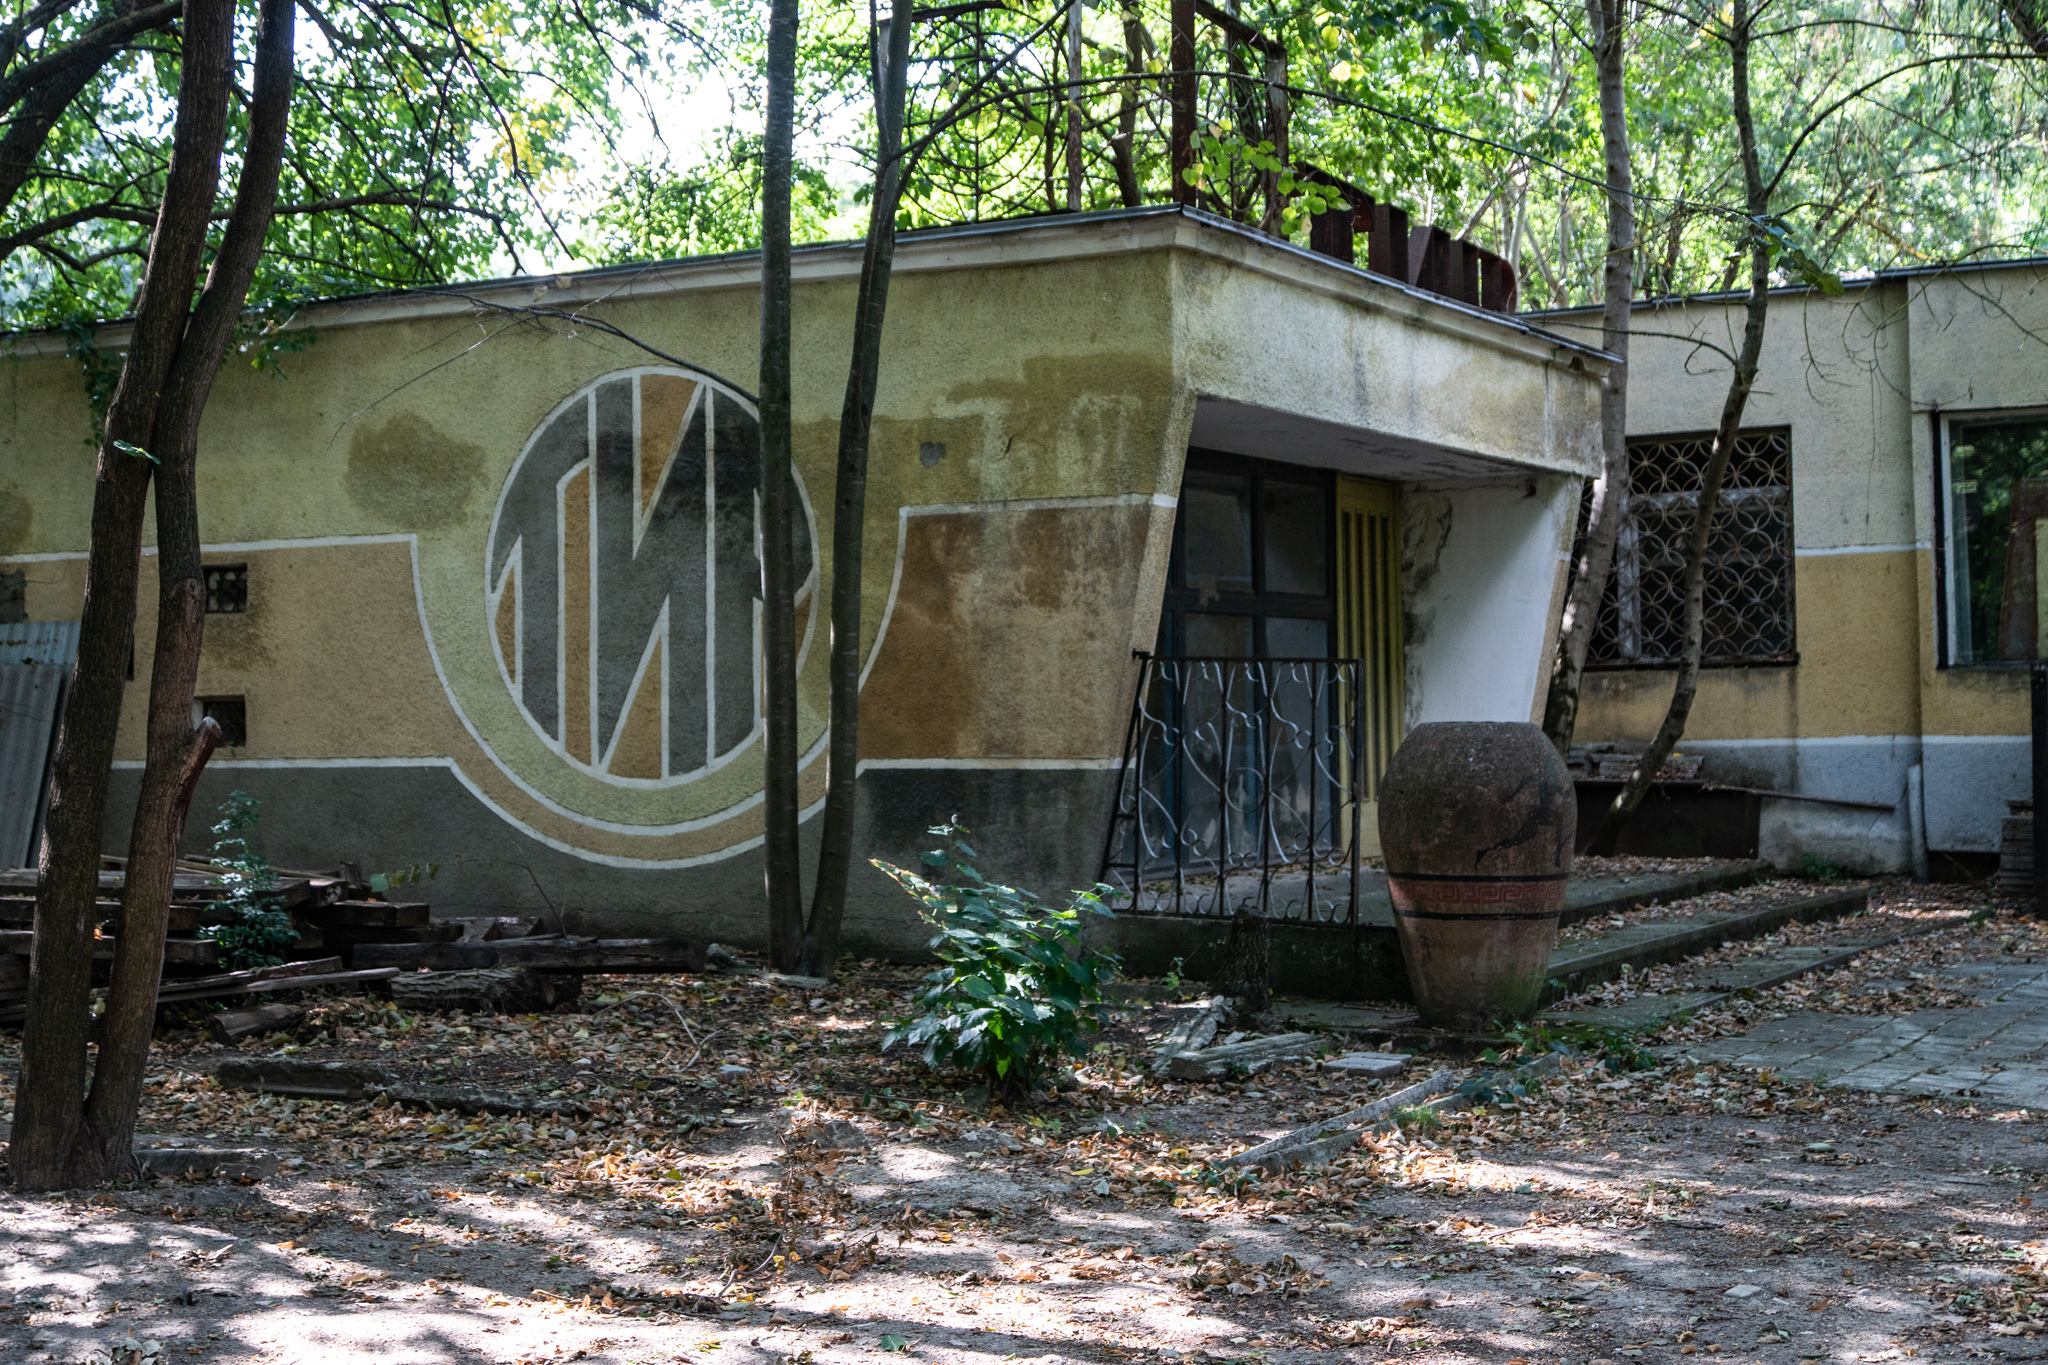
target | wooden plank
x=366, y=914
x=178, y=990
x=191, y=952
x=22, y=910
x=542, y=954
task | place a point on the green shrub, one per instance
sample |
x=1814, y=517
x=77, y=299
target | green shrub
x=1815, y=868
x=1015, y=988
x=252, y=924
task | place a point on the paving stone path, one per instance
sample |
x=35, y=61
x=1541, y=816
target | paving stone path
x=1996, y=1050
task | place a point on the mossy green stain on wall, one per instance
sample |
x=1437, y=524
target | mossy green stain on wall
x=17, y=519
x=409, y=473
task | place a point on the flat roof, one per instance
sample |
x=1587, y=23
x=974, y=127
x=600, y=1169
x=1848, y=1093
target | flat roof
x=1010, y=241
x=1910, y=272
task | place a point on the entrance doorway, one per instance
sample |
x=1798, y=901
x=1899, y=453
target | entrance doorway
x=1271, y=707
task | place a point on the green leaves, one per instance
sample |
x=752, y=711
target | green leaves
x=1785, y=250
x=253, y=923
x=1016, y=987
x=135, y=451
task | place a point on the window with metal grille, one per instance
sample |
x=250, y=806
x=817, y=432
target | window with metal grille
x=1748, y=590
x=227, y=587
x=230, y=713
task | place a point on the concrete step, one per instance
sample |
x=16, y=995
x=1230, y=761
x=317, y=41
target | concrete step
x=1576, y=967
x=1746, y=976
x=1342, y=961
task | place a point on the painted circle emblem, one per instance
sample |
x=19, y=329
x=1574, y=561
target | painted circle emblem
x=623, y=577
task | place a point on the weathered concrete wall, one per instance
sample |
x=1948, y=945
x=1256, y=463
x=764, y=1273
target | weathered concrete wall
x=1863, y=380
x=1038, y=385
x=1479, y=570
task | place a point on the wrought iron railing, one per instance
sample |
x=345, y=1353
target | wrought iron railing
x=1242, y=788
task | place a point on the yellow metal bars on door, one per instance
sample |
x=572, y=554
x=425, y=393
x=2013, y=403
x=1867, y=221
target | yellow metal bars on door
x=1369, y=623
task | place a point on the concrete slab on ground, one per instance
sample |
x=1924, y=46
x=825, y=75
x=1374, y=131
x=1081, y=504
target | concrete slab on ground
x=1585, y=897
x=1634, y=947
x=1996, y=1050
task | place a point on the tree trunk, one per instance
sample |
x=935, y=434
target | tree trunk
x=835, y=856
x=1758, y=199
x=1610, y=486
x=1246, y=973
x=53, y=1048
x=178, y=750
x=781, y=850
x=1124, y=149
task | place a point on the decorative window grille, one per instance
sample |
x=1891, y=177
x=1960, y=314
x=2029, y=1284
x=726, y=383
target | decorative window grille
x=227, y=587
x=1748, y=589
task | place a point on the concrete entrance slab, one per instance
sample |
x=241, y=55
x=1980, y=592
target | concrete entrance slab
x=1997, y=1050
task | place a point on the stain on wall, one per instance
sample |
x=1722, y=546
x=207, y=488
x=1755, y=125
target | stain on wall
x=411, y=474
x=16, y=518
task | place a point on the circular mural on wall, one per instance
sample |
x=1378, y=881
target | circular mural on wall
x=623, y=577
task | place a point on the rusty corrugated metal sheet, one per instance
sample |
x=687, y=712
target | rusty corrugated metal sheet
x=31, y=699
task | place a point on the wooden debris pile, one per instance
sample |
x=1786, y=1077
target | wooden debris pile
x=350, y=938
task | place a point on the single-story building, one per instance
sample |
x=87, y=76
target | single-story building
x=484, y=584
x=1873, y=594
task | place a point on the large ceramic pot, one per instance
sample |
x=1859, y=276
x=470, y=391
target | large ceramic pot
x=1477, y=820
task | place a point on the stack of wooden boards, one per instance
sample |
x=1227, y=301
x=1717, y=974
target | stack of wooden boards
x=348, y=940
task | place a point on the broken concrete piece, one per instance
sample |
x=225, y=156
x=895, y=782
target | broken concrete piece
x=226, y=1028
x=307, y=1080
x=1246, y=1058
x=489, y=990
x=1379, y=1065
x=1193, y=1032
x=232, y=1163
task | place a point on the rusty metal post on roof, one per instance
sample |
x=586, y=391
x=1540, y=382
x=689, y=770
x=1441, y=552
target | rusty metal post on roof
x=1181, y=94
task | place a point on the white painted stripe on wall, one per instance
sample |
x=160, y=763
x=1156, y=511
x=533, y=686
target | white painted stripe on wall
x=230, y=547
x=996, y=764
x=1862, y=549
x=886, y=764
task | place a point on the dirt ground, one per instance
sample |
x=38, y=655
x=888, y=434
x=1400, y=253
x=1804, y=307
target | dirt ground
x=759, y=1184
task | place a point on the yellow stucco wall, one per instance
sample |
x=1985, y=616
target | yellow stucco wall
x=1865, y=382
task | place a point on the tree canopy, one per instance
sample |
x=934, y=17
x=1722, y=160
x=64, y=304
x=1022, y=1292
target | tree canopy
x=434, y=141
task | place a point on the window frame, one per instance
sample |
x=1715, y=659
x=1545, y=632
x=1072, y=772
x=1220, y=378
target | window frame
x=1946, y=579
x=1628, y=532
x=1258, y=604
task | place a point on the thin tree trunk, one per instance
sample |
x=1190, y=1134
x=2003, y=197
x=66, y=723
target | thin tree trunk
x=48, y=1111
x=778, y=564
x=1739, y=384
x=178, y=750
x=1610, y=486
x=1123, y=150
x=1074, y=71
x=835, y=856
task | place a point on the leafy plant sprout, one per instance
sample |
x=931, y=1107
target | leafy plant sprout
x=252, y=921
x=1016, y=988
